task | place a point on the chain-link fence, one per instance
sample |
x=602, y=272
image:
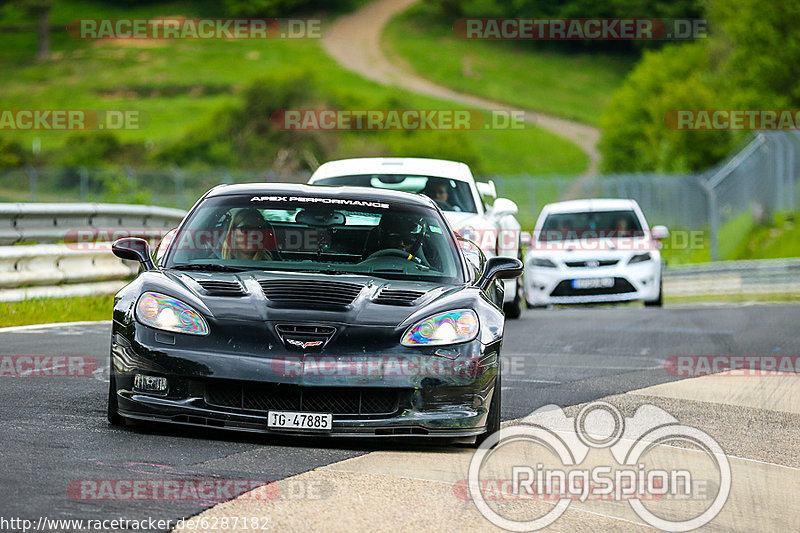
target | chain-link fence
x=172, y=187
x=758, y=180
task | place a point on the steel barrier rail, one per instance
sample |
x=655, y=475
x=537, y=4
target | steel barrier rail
x=56, y=222
x=765, y=276
x=53, y=264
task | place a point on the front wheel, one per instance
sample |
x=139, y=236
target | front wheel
x=493, y=419
x=513, y=309
x=113, y=415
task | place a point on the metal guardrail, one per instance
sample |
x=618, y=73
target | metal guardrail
x=56, y=222
x=77, y=267
x=766, y=276
x=74, y=269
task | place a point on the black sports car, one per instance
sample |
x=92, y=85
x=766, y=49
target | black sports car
x=340, y=311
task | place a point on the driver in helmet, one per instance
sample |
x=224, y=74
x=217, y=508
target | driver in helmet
x=399, y=232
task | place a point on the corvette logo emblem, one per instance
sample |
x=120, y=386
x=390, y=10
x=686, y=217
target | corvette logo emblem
x=305, y=345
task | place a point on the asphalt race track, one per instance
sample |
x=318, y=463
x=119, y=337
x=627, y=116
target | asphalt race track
x=55, y=431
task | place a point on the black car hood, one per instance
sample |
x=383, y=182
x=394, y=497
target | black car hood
x=307, y=296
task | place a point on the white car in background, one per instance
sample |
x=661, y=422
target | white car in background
x=472, y=208
x=587, y=251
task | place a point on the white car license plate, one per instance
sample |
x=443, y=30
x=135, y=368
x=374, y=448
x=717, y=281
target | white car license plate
x=294, y=420
x=592, y=283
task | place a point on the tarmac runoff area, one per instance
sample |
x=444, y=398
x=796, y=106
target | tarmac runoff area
x=754, y=419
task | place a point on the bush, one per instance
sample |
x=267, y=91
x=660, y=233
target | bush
x=11, y=154
x=635, y=136
x=242, y=135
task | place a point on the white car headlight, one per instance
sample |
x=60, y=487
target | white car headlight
x=640, y=258
x=542, y=262
x=169, y=314
x=445, y=328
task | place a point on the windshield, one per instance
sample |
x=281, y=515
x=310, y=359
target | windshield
x=327, y=235
x=449, y=194
x=591, y=224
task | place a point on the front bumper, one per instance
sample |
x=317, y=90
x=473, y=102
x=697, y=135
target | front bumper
x=639, y=281
x=451, y=400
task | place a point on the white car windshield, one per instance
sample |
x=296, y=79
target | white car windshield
x=310, y=235
x=590, y=224
x=449, y=194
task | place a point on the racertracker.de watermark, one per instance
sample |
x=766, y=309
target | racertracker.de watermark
x=23, y=366
x=195, y=28
x=396, y=119
x=732, y=365
x=580, y=29
x=732, y=119
x=72, y=119
x=210, y=490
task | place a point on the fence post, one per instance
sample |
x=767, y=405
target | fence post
x=713, y=218
x=178, y=176
x=84, y=183
x=33, y=179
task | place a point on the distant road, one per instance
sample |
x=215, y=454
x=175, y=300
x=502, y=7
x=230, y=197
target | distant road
x=354, y=41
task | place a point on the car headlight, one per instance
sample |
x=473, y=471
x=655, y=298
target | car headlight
x=169, y=314
x=542, y=262
x=445, y=328
x=640, y=258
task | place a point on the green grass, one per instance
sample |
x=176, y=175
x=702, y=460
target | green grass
x=741, y=239
x=571, y=85
x=45, y=310
x=178, y=84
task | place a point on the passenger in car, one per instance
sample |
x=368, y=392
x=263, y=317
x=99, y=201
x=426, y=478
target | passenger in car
x=249, y=238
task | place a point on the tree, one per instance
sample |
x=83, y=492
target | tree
x=39, y=9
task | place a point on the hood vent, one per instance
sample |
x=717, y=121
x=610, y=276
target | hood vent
x=310, y=293
x=221, y=287
x=397, y=297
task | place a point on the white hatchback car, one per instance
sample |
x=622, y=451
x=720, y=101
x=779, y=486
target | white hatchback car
x=586, y=251
x=463, y=201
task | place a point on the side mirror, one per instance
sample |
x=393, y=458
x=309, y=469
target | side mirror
x=659, y=233
x=499, y=268
x=134, y=249
x=486, y=189
x=504, y=207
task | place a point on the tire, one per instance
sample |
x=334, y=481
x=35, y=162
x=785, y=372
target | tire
x=513, y=309
x=113, y=415
x=659, y=301
x=493, y=419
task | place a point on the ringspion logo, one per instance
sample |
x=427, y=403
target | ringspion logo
x=552, y=459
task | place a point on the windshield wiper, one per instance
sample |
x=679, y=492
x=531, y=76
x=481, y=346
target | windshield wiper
x=210, y=267
x=330, y=271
